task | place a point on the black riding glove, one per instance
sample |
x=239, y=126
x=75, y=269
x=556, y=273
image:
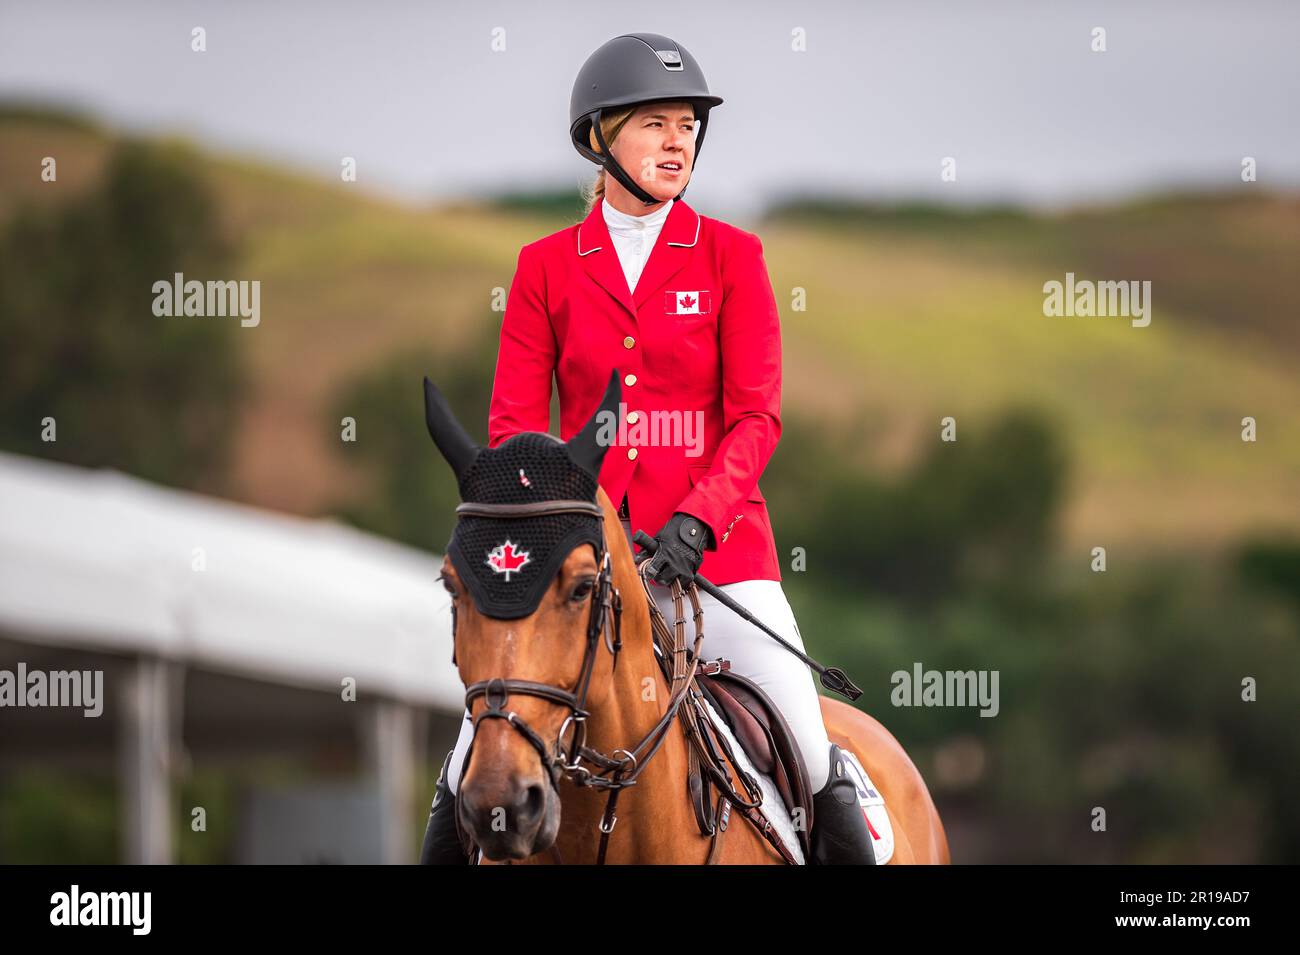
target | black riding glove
x=681, y=550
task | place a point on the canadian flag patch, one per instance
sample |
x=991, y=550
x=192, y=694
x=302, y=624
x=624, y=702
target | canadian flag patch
x=507, y=559
x=687, y=303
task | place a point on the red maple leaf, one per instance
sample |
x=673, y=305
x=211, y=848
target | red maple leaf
x=687, y=301
x=506, y=559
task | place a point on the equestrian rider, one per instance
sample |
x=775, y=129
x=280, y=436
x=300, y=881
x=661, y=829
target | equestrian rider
x=682, y=305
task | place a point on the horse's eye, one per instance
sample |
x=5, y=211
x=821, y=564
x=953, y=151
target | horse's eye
x=446, y=582
x=582, y=591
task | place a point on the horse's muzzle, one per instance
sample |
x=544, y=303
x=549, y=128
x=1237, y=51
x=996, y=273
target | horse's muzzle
x=512, y=819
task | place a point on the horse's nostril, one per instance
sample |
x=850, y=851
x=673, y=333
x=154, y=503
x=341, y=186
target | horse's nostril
x=533, y=802
x=524, y=807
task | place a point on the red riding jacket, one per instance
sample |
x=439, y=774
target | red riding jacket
x=698, y=347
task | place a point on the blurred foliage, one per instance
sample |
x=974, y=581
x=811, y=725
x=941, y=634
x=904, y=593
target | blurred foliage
x=1120, y=689
x=65, y=817
x=896, y=216
x=412, y=495
x=1272, y=564
x=561, y=204
x=154, y=396
x=72, y=818
x=216, y=791
x=980, y=509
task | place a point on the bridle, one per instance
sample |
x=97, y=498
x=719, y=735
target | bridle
x=612, y=772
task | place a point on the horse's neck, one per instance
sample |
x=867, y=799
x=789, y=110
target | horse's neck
x=638, y=699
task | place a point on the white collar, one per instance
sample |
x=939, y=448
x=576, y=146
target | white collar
x=616, y=221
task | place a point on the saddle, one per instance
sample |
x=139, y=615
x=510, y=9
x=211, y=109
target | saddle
x=765, y=737
x=753, y=720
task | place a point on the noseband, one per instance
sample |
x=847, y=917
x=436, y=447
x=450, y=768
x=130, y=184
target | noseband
x=614, y=772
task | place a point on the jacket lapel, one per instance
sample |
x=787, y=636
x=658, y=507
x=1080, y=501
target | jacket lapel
x=673, y=250
x=598, y=256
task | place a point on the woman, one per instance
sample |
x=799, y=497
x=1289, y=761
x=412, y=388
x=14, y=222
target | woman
x=683, y=307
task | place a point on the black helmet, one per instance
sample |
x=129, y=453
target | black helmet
x=628, y=70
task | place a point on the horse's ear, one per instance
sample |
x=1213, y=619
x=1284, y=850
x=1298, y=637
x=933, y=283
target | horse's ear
x=452, y=440
x=584, y=449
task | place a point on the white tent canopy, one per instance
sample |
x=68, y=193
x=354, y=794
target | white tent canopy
x=103, y=560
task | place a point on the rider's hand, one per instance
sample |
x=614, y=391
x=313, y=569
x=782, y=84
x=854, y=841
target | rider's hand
x=680, y=551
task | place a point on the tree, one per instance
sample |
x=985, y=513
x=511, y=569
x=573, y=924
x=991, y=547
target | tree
x=153, y=396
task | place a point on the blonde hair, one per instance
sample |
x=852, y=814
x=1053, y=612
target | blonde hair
x=610, y=126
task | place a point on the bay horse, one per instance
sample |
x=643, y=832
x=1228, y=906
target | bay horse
x=513, y=805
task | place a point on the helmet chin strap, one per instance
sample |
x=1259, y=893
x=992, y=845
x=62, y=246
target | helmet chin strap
x=611, y=165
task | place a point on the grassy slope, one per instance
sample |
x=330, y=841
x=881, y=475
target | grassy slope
x=919, y=328
x=345, y=281
x=904, y=324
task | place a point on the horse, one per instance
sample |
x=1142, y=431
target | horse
x=516, y=808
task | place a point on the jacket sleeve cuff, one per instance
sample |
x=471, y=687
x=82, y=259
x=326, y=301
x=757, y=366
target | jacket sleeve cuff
x=712, y=537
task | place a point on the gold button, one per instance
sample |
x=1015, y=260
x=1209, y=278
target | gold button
x=631, y=417
x=630, y=380
x=631, y=454
x=629, y=342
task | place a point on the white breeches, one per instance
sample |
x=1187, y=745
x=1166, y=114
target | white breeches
x=780, y=674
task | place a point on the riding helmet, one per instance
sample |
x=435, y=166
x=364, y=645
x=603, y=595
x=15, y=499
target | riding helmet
x=629, y=70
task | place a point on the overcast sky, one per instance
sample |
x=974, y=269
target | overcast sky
x=882, y=93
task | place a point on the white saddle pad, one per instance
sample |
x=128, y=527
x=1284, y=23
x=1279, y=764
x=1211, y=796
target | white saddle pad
x=773, y=806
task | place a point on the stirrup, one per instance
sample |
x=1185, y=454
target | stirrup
x=442, y=845
x=840, y=833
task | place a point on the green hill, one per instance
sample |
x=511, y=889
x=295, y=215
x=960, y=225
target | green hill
x=912, y=314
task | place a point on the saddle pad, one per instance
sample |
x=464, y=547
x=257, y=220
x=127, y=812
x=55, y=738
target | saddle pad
x=873, y=805
x=773, y=807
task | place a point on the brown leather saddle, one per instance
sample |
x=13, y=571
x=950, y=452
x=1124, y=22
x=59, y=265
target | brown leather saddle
x=766, y=739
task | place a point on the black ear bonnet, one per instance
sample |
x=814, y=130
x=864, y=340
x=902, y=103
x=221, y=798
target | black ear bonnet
x=508, y=563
